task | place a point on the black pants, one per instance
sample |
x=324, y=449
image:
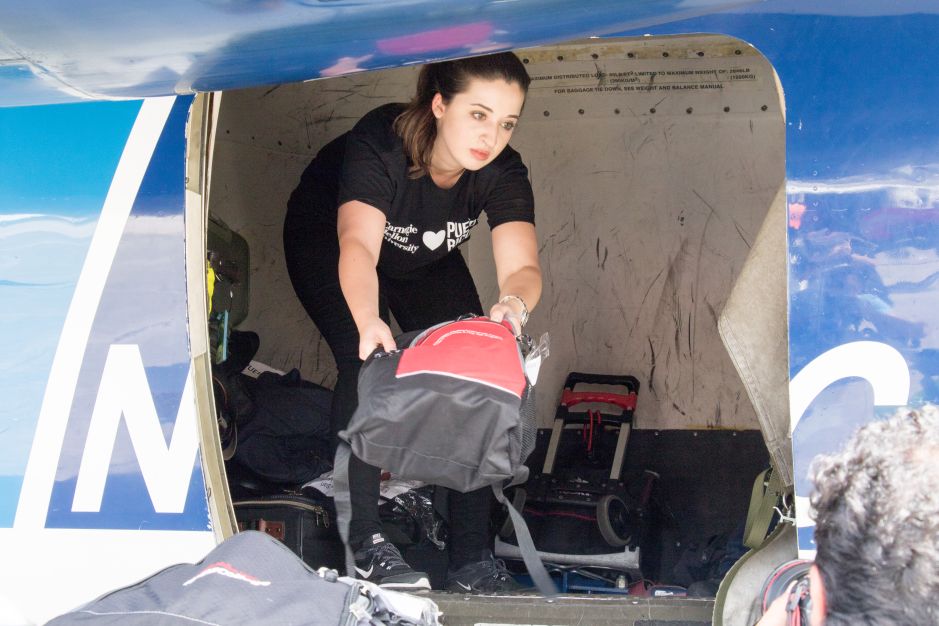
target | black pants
x=439, y=292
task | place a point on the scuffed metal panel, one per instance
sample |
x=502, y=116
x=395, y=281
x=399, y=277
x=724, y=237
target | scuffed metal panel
x=644, y=219
x=647, y=202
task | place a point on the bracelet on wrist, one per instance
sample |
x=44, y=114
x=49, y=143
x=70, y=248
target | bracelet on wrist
x=523, y=316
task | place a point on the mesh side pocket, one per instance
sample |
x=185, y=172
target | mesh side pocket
x=528, y=428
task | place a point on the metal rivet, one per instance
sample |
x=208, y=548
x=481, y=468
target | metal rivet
x=547, y=113
x=595, y=55
x=665, y=54
x=700, y=54
x=737, y=52
x=689, y=110
x=560, y=58
x=764, y=107
x=630, y=55
x=652, y=110
x=524, y=60
x=616, y=111
x=726, y=109
x=581, y=111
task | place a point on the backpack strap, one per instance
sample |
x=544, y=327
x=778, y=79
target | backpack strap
x=343, y=501
x=536, y=568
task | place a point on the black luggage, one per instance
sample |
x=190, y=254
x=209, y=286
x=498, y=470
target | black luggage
x=286, y=438
x=303, y=524
x=304, y=520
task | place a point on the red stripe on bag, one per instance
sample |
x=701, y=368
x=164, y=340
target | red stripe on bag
x=477, y=350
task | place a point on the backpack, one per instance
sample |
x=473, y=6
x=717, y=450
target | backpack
x=452, y=407
x=251, y=578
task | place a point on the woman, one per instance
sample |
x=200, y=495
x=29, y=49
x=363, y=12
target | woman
x=402, y=190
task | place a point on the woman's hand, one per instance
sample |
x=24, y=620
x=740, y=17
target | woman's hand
x=504, y=311
x=373, y=334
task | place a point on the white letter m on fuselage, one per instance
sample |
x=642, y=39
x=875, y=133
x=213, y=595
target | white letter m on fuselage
x=124, y=392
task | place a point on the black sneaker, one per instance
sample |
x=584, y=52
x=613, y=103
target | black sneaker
x=379, y=561
x=486, y=576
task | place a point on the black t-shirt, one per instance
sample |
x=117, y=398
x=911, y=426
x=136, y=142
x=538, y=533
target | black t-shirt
x=423, y=221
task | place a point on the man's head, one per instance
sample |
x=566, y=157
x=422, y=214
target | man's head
x=877, y=524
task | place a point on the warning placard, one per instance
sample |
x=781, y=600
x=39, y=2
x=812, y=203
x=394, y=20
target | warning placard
x=648, y=80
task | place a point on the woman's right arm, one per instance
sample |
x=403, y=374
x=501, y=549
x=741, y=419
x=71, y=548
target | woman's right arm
x=361, y=229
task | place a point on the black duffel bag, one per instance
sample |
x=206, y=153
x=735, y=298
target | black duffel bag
x=252, y=578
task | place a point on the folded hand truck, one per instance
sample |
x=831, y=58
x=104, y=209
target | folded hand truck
x=618, y=516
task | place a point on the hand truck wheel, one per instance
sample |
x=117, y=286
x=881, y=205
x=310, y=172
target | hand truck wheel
x=613, y=518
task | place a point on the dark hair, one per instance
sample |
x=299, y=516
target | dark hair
x=417, y=126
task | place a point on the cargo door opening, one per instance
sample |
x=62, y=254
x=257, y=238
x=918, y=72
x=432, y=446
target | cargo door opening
x=654, y=163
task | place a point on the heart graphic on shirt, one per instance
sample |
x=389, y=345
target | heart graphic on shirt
x=433, y=239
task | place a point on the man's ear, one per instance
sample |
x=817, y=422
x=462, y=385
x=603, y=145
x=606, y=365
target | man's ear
x=438, y=106
x=819, y=599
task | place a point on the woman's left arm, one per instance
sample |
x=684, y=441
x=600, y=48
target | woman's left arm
x=515, y=250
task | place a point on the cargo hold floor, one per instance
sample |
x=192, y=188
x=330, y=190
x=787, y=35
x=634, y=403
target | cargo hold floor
x=568, y=610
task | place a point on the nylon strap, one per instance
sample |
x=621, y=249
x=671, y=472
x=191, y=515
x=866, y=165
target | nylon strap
x=343, y=501
x=536, y=569
x=764, y=497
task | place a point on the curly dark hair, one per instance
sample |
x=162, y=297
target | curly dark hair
x=876, y=507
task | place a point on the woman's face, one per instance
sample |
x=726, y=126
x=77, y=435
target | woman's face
x=475, y=126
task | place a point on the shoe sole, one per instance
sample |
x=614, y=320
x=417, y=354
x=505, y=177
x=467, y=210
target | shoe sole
x=421, y=584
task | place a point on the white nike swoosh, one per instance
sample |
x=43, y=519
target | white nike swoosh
x=467, y=587
x=365, y=573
